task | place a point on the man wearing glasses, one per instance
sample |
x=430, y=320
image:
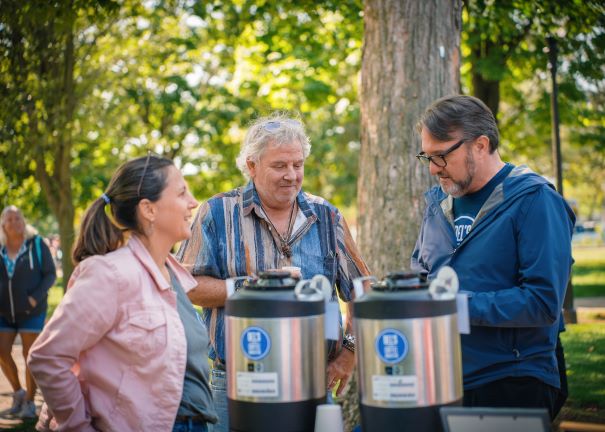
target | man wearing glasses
x=269, y=224
x=507, y=233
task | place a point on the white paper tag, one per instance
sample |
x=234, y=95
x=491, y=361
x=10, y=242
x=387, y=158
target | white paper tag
x=331, y=323
x=395, y=388
x=255, y=384
x=464, y=325
x=445, y=285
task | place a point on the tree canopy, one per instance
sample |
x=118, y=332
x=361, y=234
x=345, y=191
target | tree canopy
x=88, y=84
x=505, y=54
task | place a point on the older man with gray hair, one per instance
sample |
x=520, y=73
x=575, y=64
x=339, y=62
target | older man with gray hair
x=270, y=223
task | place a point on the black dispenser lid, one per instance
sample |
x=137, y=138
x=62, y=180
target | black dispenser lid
x=401, y=295
x=271, y=295
x=402, y=281
x=272, y=280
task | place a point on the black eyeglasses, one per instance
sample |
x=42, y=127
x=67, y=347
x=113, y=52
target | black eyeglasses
x=438, y=159
x=143, y=175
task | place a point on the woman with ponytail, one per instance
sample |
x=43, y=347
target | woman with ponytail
x=125, y=350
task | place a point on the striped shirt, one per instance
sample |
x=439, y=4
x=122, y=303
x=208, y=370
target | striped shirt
x=231, y=237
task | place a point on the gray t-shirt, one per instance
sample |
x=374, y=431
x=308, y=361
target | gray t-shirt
x=197, y=397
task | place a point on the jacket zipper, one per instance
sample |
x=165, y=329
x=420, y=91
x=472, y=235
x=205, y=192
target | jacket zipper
x=10, y=283
x=516, y=352
x=31, y=261
x=10, y=296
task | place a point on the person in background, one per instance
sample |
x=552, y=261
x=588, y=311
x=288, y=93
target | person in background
x=507, y=233
x=26, y=274
x=125, y=350
x=267, y=224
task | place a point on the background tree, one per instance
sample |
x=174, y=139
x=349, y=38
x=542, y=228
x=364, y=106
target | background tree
x=505, y=64
x=498, y=35
x=40, y=81
x=301, y=57
x=411, y=56
x=182, y=80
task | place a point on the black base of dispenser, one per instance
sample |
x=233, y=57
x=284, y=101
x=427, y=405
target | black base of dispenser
x=420, y=419
x=263, y=417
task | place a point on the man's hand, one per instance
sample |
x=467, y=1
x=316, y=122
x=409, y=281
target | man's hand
x=340, y=370
x=32, y=301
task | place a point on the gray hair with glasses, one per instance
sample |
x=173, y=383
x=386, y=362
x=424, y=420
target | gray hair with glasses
x=468, y=114
x=277, y=129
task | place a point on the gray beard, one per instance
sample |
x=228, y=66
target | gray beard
x=459, y=188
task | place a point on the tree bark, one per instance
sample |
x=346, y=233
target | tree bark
x=411, y=56
x=65, y=211
x=58, y=193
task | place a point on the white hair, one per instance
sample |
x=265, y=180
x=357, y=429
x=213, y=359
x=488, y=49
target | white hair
x=276, y=129
x=30, y=231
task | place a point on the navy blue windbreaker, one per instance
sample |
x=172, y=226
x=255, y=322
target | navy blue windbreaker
x=514, y=264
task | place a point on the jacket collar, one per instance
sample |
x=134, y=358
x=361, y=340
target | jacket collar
x=520, y=180
x=142, y=254
x=515, y=183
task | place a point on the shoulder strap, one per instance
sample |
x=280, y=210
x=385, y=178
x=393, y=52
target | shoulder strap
x=37, y=240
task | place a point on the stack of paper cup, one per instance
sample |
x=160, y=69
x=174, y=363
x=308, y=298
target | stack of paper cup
x=328, y=418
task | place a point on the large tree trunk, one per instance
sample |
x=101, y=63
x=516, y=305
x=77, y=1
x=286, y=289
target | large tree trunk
x=411, y=56
x=67, y=235
x=62, y=174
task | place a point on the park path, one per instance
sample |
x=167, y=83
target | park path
x=6, y=390
x=590, y=302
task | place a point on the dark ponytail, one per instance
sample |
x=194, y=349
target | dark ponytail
x=108, y=218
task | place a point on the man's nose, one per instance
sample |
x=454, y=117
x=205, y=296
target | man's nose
x=290, y=173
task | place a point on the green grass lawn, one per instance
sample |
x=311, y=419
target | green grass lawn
x=584, y=346
x=584, y=343
x=588, y=273
x=55, y=294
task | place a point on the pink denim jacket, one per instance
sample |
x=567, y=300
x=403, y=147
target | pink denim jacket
x=112, y=357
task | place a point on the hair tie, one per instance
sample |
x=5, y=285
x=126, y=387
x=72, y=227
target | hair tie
x=105, y=198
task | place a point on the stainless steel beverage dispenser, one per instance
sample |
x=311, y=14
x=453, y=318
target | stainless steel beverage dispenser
x=276, y=354
x=408, y=354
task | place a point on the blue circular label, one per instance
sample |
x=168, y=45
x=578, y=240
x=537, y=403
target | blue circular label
x=391, y=346
x=255, y=343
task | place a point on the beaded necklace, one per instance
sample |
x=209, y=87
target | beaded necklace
x=285, y=248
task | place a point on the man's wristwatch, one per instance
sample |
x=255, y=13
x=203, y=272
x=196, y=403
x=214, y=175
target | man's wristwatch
x=348, y=342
